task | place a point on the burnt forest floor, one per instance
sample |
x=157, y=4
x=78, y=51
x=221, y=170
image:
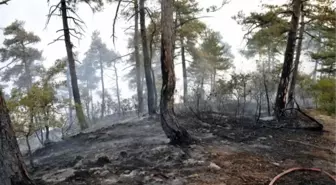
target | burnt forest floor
x=230, y=152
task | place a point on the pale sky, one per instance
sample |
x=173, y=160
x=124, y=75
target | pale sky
x=34, y=12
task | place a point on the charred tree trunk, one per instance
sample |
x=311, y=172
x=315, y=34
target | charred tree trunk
x=39, y=137
x=200, y=98
x=68, y=81
x=117, y=86
x=244, y=98
x=265, y=87
x=103, y=88
x=184, y=72
x=280, y=102
x=13, y=171
x=75, y=91
x=214, y=80
x=267, y=98
x=29, y=151
x=291, y=92
x=147, y=61
x=155, y=91
x=47, y=139
x=137, y=59
x=176, y=133
x=91, y=104
x=270, y=60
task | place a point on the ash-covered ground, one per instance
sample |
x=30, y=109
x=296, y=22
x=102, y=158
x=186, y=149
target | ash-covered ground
x=231, y=151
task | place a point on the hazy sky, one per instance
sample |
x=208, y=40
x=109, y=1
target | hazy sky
x=34, y=12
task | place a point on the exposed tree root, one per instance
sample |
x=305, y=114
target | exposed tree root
x=177, y=134
x=300, y=169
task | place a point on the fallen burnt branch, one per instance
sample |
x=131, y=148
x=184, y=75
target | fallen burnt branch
x=300, y=169
x=285, y=116
x=209, y=115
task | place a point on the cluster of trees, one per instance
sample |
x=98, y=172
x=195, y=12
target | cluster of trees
x=175, y=33
x=291, y=30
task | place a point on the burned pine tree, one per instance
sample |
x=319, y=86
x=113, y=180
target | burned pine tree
x=65, y=7
x=176, y=133
x=280, y=102
x=13, y=171
x=291, y=90
x=139, y=84
x=147, y=61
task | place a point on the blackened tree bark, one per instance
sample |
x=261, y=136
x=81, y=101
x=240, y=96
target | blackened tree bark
x=47, y=140
x=155, y=91
x=291, y=91
x=13, y=171
x=137, y=59
x=176, y=133
x=75, y=91
x=265, y=81
x=280, y=102
x=147, y=61
x=117, y=86
x=68, y=81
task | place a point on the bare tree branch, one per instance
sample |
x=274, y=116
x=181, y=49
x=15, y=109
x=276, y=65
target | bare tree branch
x=132, y=15
x=71, y=29
x=126, y=6
x=52, y=10
x=115, y=20
x=58, y=39
x=132, y=65
x=121, y=56
x=128, y=28
x=4, y=2
x=222, y=5
x=13, y=61
x=78, y=25
x=75, y=19
x=72, y=11
x=74, y=35
x=191, y=19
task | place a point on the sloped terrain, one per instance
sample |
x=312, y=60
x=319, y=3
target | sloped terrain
x=230, y=151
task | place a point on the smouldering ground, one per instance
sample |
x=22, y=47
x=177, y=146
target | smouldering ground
x=231, y=152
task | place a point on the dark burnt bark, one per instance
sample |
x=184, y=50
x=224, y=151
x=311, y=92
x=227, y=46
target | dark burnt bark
x=75, y=91
x=13, y=171
x=147, y=61
x=270, y=60
x=155, y=91
x=47, y=139
x=103, y=88
x=280, y=102
x=265, y=80
x=291, y=91
x=68, y=81
x=38, y=135
x=267, y=97
x=176, y=133
x=29, y=151
x=137, y=59
x=184, y=73
x=117, y=86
